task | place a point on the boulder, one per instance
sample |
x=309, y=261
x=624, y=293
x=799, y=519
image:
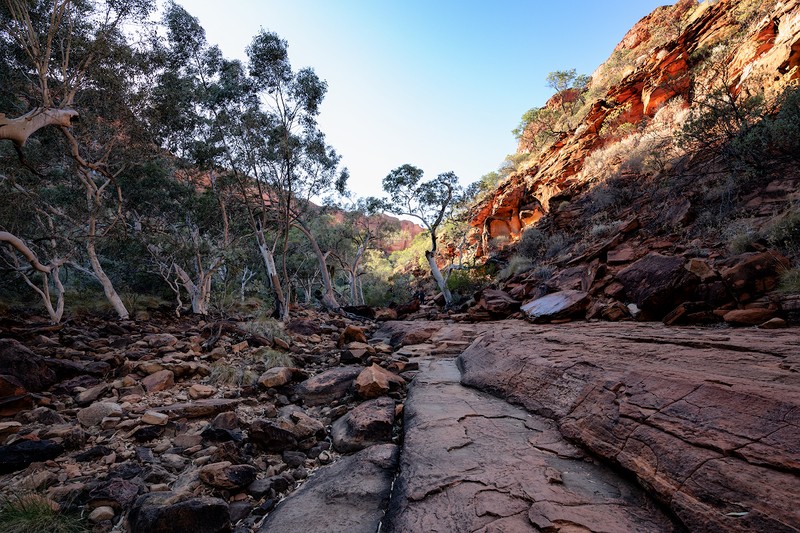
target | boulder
x=499, y=304
x=351, y=334
x=116, y=493
x=275, y=377
x=95, y=413
x=199, y=408
x=750, y=275
x=407, y=333
x=375, y=381
x=331, y=385
x=224, y=475
x=22, y=453
x=369, y=423
x=556, y=306
x=198, y=391
x=702, y=417
x=269, y=435
x=348, y=496
x=748, y=317
x=657, y=284
x=167, y=512
x=30, y=369
x=158, y=381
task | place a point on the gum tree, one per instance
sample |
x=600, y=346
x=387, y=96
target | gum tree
x=428, y=201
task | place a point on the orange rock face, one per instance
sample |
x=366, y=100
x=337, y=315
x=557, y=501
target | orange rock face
x=664, y=53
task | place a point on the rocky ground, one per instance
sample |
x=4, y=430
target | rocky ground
x=508, y=426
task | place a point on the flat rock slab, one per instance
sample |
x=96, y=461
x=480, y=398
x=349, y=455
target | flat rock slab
x=472, y=462
x=349, y=496
x=707, y=419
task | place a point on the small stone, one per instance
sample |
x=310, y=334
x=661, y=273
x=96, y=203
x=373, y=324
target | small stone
x=198, y=391
x=236, y=348
x=158, y=381
x=154, y=418
x=375, y=381
x=280, y=343
x=275, y=377
x=773, y=323
x=95, y=413
x=101, y=514
x=748, y=317
x=224, y=475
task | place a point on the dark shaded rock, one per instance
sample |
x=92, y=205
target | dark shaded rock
x=22, y=453
x=167, y=512
x=364, y=311
x=498, y=304
x=148, y=433
x=199, y=408
x=350, y=494
x=369, y=423
x=268, y=435
x=127, y=470
x=225, y=475
x=657, y=284
x=30, y=369
x=556, y=306
x=116, y=493
x=333, y=384
x=294, y=459
x=303, y=326
x=750, y=275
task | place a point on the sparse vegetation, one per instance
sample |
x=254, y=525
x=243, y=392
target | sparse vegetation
x=273, y=358
x=34, y=513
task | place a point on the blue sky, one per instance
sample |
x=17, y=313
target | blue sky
x=438, y=84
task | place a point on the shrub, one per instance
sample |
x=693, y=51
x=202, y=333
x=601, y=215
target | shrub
x=516, y=266
x=556, y=244
x=784, y=232
x=225, y=373
x=790, y=281
x=267, y=327
x=465, y=280
x=531, y=243
x=273, y=358
x=33, y=513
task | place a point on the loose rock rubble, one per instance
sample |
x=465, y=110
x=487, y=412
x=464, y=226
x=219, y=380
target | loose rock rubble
x=187, y=425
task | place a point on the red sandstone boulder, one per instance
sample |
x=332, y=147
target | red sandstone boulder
x=750, y=275
x=556, y=306
x=657, y=284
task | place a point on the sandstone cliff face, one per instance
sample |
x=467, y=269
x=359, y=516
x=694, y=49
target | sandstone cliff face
x=657, y=63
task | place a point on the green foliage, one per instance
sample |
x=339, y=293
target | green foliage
x=466, y=281
x=32, y=513
x=267, y=327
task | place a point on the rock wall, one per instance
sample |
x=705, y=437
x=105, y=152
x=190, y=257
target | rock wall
x=662, y=51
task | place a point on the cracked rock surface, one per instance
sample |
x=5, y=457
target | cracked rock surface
x=473, y=462
x=707, y=419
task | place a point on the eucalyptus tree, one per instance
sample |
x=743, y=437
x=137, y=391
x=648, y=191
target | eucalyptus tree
x=255, y=124
x=66, y=59
x=430, y=202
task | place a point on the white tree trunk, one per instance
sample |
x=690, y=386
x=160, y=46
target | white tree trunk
x=328, y=296
x=282, y=309
x=108, y=288
x=437, y=275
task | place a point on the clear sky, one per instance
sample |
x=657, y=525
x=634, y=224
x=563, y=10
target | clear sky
x=438, y=84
